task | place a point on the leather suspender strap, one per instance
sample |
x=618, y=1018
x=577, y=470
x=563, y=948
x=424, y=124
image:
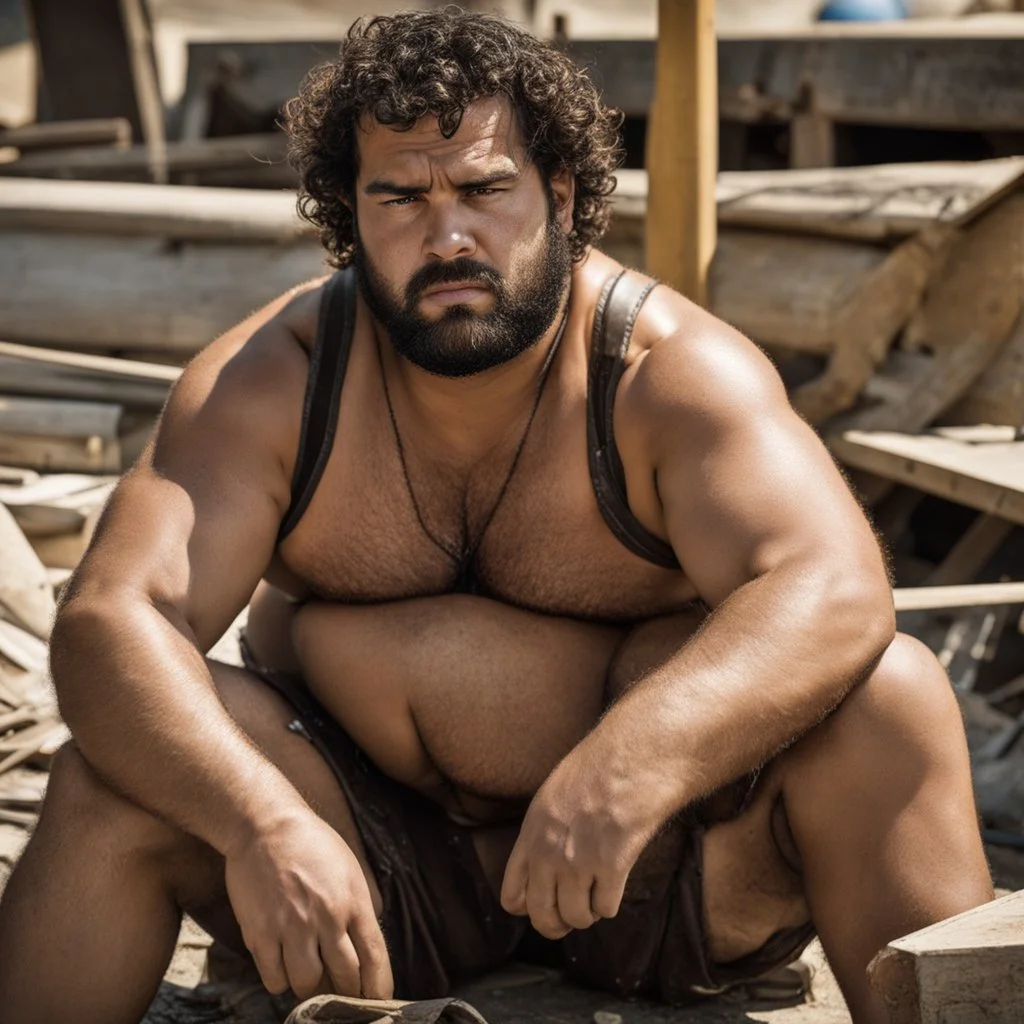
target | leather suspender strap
x=327, y=364
x=617, y=310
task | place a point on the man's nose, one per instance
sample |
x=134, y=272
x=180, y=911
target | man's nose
x=448, y=233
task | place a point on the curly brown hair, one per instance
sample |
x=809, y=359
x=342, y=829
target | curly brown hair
x=400, y=68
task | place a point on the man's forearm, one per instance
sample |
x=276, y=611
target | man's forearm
x=142, y=707
x=769, y=664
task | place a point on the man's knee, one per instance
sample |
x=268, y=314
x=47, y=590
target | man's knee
x=901, y=721
x=907, y=692
x=80, y=802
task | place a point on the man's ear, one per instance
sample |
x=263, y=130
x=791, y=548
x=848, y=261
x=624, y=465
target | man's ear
x=563, y=190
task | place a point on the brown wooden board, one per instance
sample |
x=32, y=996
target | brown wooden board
x=85, y=60
x=969, y=313
x=788, y=290
x=974, y=84
x=258, y=152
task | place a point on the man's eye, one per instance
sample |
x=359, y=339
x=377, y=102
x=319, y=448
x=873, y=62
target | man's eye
x=483, y=191
x=401, y=201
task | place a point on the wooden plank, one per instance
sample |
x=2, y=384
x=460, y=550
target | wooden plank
x=788, y=290
x=970, y=595
x=879, y=202
x=969, y=554
x=988, y=477
x=812, y=141
x=958, y=971
x=26, y=596
x=134, y=163
x=866, y=325
x=107, y=366
x=84, y=60
x=967, y=317
x=59, y=455
x=997, y=396
x=98, y=131
x=682, y=148
x=53, y=418
x=147, y=89
x=32, y=379
x=177, y=211
x=27, y=370
x=139, y=294
x=973, y=84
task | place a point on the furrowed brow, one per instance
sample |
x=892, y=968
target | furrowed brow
x=494, y=178
x=382, y=187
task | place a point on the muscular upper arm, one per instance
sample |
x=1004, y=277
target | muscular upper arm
x=192, y=527
x=743, y=484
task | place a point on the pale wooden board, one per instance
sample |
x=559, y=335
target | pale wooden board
x=970, y=595
x=877, y=202
x=139, y=293
x=865, y=202
x=959, y=971
x=177, y=211
x=986, y=476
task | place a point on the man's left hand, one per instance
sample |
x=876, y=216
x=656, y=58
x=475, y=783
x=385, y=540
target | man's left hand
x=576, y=847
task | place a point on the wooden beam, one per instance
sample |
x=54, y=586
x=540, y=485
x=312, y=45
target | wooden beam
x=141, y=60
x=964, y=969
x=140, y=294
x=968, y=556
x=986, y=476
x=97, y=131
x=179, y=212
x=84, y=60
x=970, y=595
x=238, y=151
x=682, y=148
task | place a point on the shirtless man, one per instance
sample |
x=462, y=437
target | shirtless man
x=556, y=666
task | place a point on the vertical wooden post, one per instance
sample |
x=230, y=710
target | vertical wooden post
x=682, y=148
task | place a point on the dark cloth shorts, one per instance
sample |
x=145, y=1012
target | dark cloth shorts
x=443, y=924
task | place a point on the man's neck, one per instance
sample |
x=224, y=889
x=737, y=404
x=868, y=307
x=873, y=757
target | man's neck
x=466, y=418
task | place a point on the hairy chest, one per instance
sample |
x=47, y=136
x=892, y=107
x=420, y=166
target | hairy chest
x=546, y=548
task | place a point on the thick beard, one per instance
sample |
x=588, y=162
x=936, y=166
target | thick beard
x=461, y=342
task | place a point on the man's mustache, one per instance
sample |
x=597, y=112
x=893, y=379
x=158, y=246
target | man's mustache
x=462, y=269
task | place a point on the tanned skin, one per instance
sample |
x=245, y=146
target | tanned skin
x=581, y=687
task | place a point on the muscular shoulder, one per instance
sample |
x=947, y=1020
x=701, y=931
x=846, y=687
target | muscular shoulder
x=241, y=397
x=691, y=376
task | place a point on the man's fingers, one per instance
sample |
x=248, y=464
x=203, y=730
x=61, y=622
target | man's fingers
x=542, y=904
x=375, y=974
x=574, y=904
x=513, y=885
x=342, y=965
x=304, y=966
x=606, y=896
x=270, y=963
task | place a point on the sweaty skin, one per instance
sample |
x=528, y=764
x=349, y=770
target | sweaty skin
x=488, y=704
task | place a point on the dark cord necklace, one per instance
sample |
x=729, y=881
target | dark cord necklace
x=464, y=558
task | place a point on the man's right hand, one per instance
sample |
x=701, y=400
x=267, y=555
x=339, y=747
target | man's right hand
x=304, y=908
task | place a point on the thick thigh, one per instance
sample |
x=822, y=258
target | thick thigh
x=880, y=804
x=457, y=690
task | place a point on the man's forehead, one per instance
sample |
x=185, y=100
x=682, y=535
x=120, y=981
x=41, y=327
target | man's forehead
x=487, y=134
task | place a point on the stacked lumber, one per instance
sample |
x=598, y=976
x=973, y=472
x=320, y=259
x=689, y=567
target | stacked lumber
x=30, y=728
